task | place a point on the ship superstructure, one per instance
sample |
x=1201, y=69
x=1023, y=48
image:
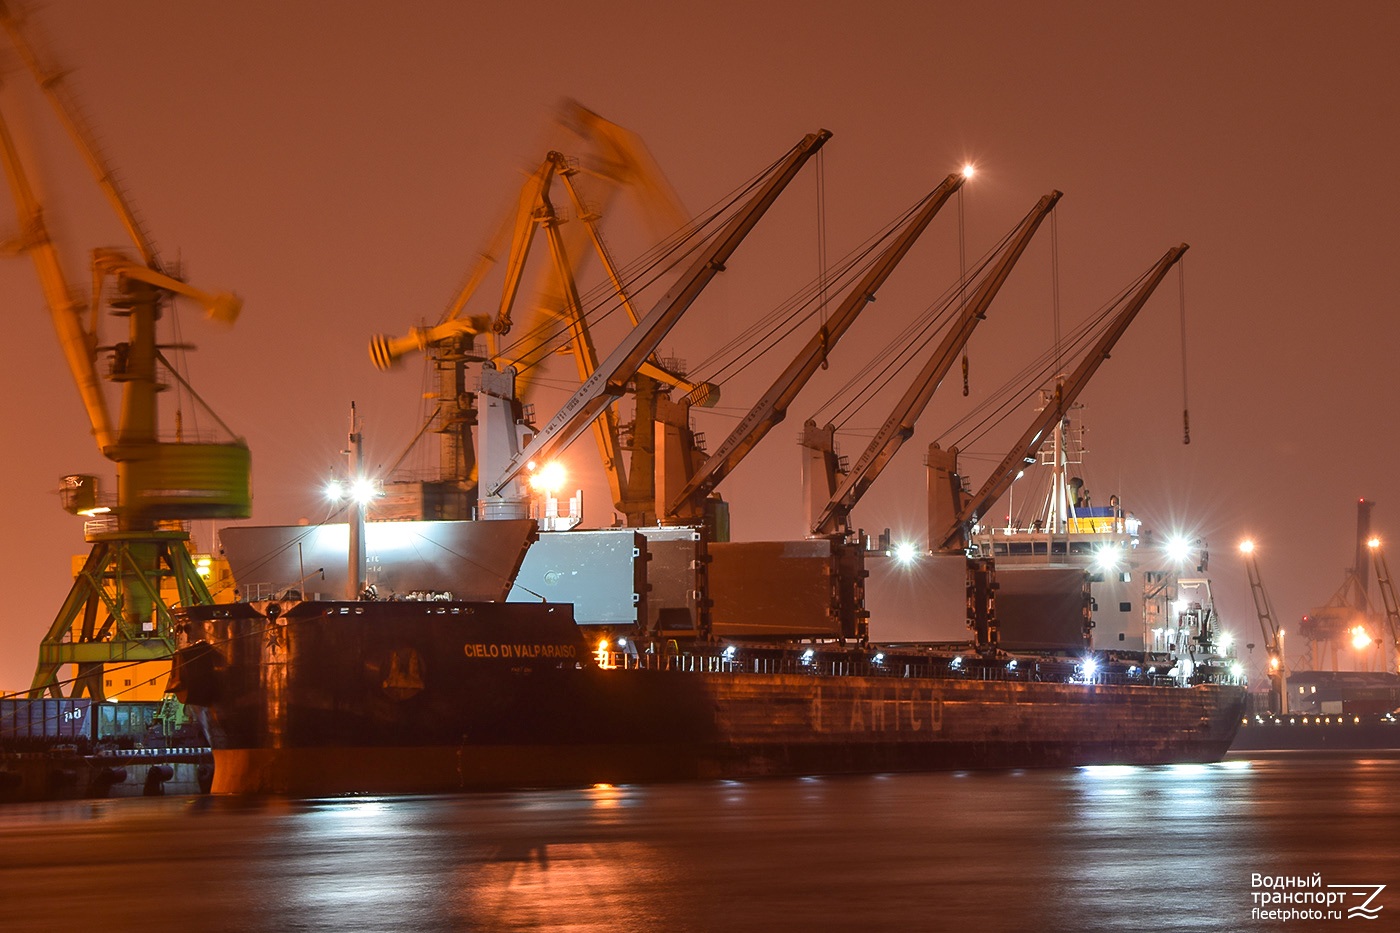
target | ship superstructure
x=1149, y=596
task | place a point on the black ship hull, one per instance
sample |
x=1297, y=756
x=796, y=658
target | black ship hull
x=1318, y=733
x=399, y=697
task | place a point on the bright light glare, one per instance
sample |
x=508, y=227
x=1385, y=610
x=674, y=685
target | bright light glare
x=1246, y=546
x=1091, y=667
x=1108, y=556
x=1178, y=548
x=1226, y=639
x=335, y=490
x=1360, y=638
x=1373, y=543
x=969, y=170
x=548, y=478
x=363, y=490
x=905, y=552
x=1236, y=670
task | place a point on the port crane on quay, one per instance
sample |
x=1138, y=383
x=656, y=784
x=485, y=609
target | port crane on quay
x=118, y=611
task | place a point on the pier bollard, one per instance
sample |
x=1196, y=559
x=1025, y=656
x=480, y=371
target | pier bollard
x=156, y=776
x=109, y=777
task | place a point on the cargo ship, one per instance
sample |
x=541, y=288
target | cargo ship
x=309, y=696
x=1315, y=732
x=514, y=650
x=1328, y=711
x=316, y=698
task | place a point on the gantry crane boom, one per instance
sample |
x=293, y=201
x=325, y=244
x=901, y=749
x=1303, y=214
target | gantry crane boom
x=1387, y=588
x=954, y=537
x=619, y=159
x=703, y=393
x=119, y=607
x=772, y=407
x=1269, y=628
x=609, y=381
x=899, y=426
x=55, y=88
x=65, y=307
x=622, y=157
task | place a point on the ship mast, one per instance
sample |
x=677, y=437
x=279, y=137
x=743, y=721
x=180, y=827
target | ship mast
x=355, y=579
x=1059, y=511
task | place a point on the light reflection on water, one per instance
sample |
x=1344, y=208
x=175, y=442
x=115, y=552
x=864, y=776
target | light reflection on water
x=1166, y=848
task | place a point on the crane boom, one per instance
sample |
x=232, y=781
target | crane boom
x=65, y=308
x=899, y=426
x=52, y=82
x=119, y=607
x=585, y=354
x=769, y=410
x=609, y=381
x=1387, y=588
x=954, y=537
x=1273, y=635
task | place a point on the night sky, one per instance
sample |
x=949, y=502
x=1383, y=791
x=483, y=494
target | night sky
x=338, y=165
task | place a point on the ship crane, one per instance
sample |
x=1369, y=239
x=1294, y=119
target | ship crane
x=687, y=503
x=118, y=609
x=946, y=499
x=609, y=380
x=619, y=159
x=1273, y=635
x=1347, y=619
x=833, y=516
x=1387, y=588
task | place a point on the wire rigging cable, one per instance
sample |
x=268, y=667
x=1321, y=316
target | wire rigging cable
x=1022, y=387
x=742, y=350
x=601, y=302
x=1185, y=407
x=912, y=342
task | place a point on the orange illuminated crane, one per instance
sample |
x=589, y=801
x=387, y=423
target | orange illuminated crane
x=1387, y=588
x=1273, y=635
x=609, y=381
x=118, y=610
x=618, y=159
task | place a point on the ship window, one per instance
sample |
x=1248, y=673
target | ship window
x=109, y=683
x=1126, y=577
x=1314, y=689
x=127, y=684
x=1122, y=636
x=1125, y=607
